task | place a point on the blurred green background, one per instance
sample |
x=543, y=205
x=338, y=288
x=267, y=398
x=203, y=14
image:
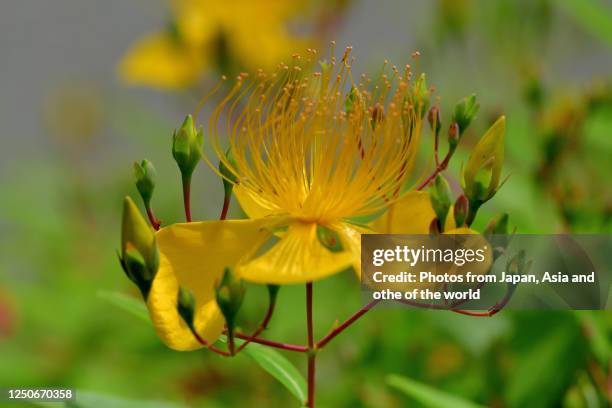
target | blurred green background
x=73, y=124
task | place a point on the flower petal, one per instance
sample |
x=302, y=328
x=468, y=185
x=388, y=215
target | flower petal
x=194, y=256
x=411, y=214
x=158, y=61
x=251, y=207
x=298, y=257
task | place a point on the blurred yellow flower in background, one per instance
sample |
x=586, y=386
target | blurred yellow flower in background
x=205, y=34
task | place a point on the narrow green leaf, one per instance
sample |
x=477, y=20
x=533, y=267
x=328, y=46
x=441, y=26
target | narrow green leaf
x=426, y=395
x=128, y=303
x=278, y=367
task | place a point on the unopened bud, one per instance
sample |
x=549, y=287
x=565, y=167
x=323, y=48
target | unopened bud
x=482, y=173
x=465, y=112
x=453, y=135
x=439, y=196
x=421, y=96
x=229, y=177
x=433, y=117
x=460, y=210
x=378, y=114
x=185, y=305
x=351, y=101
x=230, y=294
x=139, y=255
x=145, y=180
x=329, y=239
x=187, y=146
x=498, y=225
x=434, y=227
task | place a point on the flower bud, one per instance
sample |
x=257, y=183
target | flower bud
x=453, y=135
x=229, y=178
x=329, y=239
x=465, y=112
x=517, y=265
x=434, y=227
x=433, y=117
x=421, y=96
x=230, y=294
x=185, y=305
x=481, y=176
x=352, y=100
x=145, y=180
x=139, y=255
x=498, y=225
x=460, y=210
x=187, y=146
x=439, y=196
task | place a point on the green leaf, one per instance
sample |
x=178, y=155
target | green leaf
x=426, y=395
x=278, y=367
x=128, y=303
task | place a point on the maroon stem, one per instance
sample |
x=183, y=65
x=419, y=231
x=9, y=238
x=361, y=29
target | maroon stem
x=226, y=203
x=311, y=347
x=209, y=346
x=152, y=219
x=441, y=167
x=262, y=326
x=275, y=344
x=187, y=197
x=346, y=323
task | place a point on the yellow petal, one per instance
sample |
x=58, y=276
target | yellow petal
x=411, y=214
x=251, y=207
x=298, y=257
x=194, y=256
x=158, y=61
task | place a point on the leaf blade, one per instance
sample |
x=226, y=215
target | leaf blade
x=426, y=395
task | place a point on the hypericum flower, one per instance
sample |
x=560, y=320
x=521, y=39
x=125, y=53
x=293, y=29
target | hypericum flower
x=250, y=34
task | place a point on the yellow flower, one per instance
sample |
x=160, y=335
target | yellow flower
x=303, y=165
x=206, y=32
x=310, y=154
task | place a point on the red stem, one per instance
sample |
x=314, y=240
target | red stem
x=226, y=203
x=262, y=326
x=265, y=342
x=152, y=219
x=187, y=197
x=441, y=167
x=346, y=323
x=209, y=346
x=311, y=347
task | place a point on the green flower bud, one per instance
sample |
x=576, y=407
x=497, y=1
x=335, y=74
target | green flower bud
x=439, y=196
x=230, y=294
x=329, y=239
x=433, y=117
x=351, y=100
x=187, y=146
x=145, y=180
x=139, y=255
x=498, y=225
x=460, y=210
x=518, y=265
x=186, y=306
x=434, y=227
x=229, y=178
x=482, y=173
x=465, y=112
x=453, y=135
x=421, y=95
